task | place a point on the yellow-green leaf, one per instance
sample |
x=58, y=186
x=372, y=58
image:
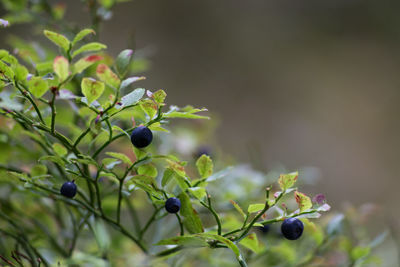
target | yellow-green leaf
x=90, y=47
x=60, y=149
x=148, y=169
x=124, y=158
x=61, y=68
x=106, y=75
x=204, y=166
x=37, y=86
x=255, y=207
x=304, y=201
x=85, y=62
x=251, y=242
x=150, y=107
x=82, y=34
x=287, y=180
x=92, y=89
x=58, y=39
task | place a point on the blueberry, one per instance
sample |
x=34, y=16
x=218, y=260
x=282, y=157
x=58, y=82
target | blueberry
x=202, y=150
x=264, y=229
x=68, y=189
x=141, y=137
x=173, y=205
x=292, y=228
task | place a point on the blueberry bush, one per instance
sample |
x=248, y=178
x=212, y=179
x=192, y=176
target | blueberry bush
x=92, y=173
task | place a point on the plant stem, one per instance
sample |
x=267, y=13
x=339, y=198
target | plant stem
x=180, y=224
x=149, y=222
x=121, y=183
x=53, y=113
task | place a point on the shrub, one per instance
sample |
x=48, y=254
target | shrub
x=68, y=119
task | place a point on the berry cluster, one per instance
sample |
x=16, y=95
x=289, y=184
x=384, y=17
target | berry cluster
x=292, y=228
x=141, y=137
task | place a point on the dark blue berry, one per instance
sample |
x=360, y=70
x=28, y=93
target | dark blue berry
x=68, y=189
x=202, y=150
x=292, y=228
x=173, y=205
x=263, y=229
x=141, y=137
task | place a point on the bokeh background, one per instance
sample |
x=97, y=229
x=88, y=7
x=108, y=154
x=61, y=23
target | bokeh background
x=291, y=83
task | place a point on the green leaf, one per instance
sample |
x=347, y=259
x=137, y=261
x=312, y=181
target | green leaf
x=314, y=231
x=159, y=96
x=56, y=159
x=105, y=74
x=255, y=208
x=144, y=179
x=37, y=86
x=92, y=89
x=204, y=166
x=133, y=97
x=238, y=208
x=191, y=219
x=102, y=236
x=21, y=73
x=177, y=167
x=360, y=252
x=288, y=180
x=167, y=176
x=82, y=34
x=185, y=113
x=157, y=127
x=125, y=83
x=251, y=242
x=123, y=60
x=124, y=158
x=90, y=47
x=38, y=170
x=85, y=62
x=44, y=67
x=187, y=241
x=6, y=71
x=61, y=68
x=198, y=192
x=58, y=39
x=110, y=163
x=148, y=169
x=60, y=149
x=223, y=240
x=149, y=107
x=304, y=201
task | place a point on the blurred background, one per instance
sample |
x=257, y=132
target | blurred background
x=293, y=84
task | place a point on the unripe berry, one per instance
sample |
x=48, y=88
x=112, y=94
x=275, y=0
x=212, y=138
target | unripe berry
x=292, y=228
x=141, y=137
x=172, y=205
x=68, y=189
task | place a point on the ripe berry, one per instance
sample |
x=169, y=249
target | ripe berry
x=172, y=205
x=292, y=228
x=202, y=150
x=264, y=229
x=141, y=137
x=68, y=189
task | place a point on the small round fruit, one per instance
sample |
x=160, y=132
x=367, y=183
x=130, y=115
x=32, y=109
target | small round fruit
x=141, y=137
x=264, y=229
x=292, y=228
x=68, y=189
x=172, y=205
